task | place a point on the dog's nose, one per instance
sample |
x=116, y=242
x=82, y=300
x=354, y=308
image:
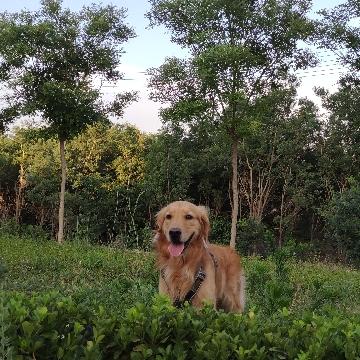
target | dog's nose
x=175, y=234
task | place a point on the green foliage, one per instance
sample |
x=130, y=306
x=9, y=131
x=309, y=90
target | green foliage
x=113, y=194
x=117, y=278
x=33, y=232
x=240, y=53
x=49, y=60
x=269, y=284
x=104, y=282
x=235, y=86
x=50, y=57
x=6, y=350
x=8, y=169
x=255, y=238
x=281, y=281
x=280, y=290
x=3, y=270
x=105, y=195
x=238, y=79
x=343, y=223
x=190, y=165
x=51, y=326
x=114, y=153
x=338, y=28
x=220, y=230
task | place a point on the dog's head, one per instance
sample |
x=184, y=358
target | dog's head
x=181, y=223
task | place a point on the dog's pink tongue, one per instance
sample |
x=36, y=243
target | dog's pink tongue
x=176, y=250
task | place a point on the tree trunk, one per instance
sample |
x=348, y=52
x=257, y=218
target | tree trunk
x=19, y=194
x=283, y=193
x=235, y=192
x=60, y=237
x=280, y=241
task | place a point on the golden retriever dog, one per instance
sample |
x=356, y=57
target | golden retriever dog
x=192, y=269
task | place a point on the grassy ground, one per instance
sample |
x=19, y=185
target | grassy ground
x=118, y=278
x=94, y=275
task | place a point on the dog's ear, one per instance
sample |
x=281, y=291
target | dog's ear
x=205, y=223
x=160, y=217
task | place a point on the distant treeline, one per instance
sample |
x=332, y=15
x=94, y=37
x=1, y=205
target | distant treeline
x=298, y=180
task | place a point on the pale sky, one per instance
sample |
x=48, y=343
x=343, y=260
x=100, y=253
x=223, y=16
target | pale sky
x=150, y=48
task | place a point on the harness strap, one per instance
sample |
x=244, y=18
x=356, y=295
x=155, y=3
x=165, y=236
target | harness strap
x=199, y=279
x=214, y=260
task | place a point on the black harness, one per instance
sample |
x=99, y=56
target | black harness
x=199, y=279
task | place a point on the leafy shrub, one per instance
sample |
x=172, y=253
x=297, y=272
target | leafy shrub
x=51, y=326
x=319, y=290
x=254, y=238
x=3, y=270
x=220, y=230
x=298, y=250
x=280, y=290
x=5, y=345
x=343, y=223
x=258, y=274
x=35, y=232
x=269, y=283
x=10, y=226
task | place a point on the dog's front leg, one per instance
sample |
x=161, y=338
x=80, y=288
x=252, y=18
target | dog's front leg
x=205, y=295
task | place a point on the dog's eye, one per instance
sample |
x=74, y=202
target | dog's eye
x=168, y=216
x=188, y=217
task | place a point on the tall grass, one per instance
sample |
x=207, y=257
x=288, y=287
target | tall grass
x=118, y=278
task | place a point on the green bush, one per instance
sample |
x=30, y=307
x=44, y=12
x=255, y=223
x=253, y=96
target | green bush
x=343, y=224
x=269, y=284
x=51, y=326
x=254, y=238
x=220, y=230
x=35, y=232
x=298, y=250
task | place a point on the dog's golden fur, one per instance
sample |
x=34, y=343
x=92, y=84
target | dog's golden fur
x=224, y=285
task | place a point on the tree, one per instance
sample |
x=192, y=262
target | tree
x=341, y=153
x=278, y=157
x=9, y=171
x=260, y=150
x=115, y=152
x=240, y=51
x=339, y=32
x=343, y=225
x=49, y=62
x=187, y=164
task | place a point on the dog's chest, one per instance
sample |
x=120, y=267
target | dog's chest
x=178, y=281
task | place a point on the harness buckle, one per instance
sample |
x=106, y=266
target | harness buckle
x=201, y=275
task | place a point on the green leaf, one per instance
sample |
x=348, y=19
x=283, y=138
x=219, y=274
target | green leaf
x=28, y=328
x=60, y=353
x=41, y=312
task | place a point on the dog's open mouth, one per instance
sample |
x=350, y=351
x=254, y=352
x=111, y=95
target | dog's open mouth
x=178, y=249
